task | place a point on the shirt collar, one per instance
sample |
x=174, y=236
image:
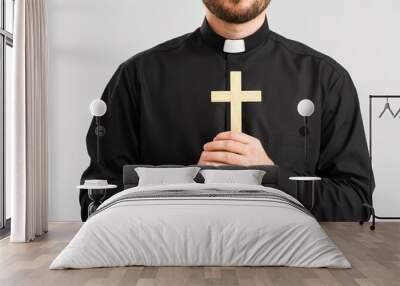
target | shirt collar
x=250, y=42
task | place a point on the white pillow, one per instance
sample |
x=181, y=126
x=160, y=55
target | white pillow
x=163, y=176
x=248, y=177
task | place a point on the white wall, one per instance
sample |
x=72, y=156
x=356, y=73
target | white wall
x=89, y=38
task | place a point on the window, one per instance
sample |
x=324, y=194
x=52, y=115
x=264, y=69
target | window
x=6, y=62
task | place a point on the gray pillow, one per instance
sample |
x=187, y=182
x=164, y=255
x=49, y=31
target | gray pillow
x=248, y=177
x=162, y=176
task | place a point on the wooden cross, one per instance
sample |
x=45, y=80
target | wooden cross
x=236, y=96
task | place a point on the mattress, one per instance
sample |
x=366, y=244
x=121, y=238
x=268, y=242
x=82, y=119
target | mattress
x=201, y=225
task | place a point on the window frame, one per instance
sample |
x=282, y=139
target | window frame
x=6, y=39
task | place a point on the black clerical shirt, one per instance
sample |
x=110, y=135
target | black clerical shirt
x=159, y=112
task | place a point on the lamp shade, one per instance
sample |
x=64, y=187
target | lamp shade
x=305, y=108
x=97, y=107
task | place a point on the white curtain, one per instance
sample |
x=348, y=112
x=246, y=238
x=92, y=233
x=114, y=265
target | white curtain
x=26, y=129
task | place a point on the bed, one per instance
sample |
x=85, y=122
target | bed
x=201, y=224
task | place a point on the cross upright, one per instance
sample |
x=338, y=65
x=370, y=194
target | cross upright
x=236, y=96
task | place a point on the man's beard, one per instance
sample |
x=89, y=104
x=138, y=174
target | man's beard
x=231, y=12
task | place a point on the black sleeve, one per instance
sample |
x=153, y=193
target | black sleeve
x=120, y=144
x=344, y=162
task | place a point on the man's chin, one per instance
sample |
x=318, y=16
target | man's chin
x=236, y=13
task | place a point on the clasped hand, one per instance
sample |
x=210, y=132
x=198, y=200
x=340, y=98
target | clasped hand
x=233, y=148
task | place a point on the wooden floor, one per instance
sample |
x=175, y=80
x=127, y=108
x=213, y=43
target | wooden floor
x=375, y=257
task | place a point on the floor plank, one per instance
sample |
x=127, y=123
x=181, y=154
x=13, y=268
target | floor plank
x=375, y=257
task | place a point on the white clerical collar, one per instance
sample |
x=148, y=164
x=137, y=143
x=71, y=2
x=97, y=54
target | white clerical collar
x=234, y=46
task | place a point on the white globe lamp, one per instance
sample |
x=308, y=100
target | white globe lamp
x=305, y=108
x=97, y=108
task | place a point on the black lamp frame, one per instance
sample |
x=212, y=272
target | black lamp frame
x=100, y=131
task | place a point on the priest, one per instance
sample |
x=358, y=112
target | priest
x=160, y=109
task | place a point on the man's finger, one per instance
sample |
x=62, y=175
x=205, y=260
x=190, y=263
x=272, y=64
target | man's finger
x=228, y=146
x=235, y=136
x=202, y=161
x=208, y=163
x=224, y=157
